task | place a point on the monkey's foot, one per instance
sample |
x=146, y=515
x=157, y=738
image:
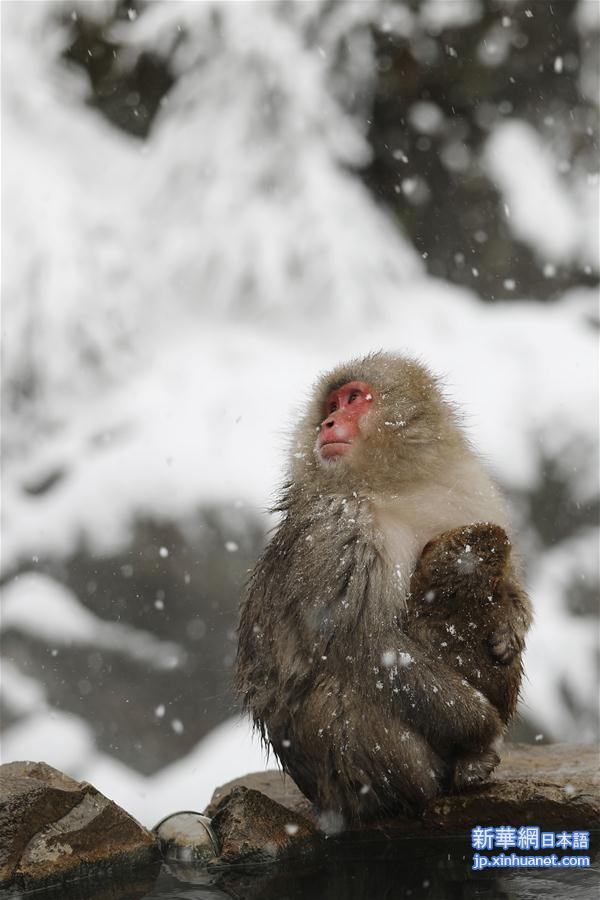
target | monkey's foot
x=474, y=769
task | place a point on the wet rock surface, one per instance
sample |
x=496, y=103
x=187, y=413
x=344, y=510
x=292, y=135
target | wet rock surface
x=252, y=827
x=557, y=785
x=54, y=829
x=64, y=836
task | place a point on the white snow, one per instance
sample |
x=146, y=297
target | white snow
x=439, y=15
x=426, y=117
x=556, y=635
x=21, y=694
x=37, y=605
x=60, y=739
x=542, y=209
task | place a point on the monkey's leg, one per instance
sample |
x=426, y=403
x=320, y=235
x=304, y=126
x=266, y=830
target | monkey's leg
x=474, y=754
x=354, y=757
x=440, y=703
x=474, y=769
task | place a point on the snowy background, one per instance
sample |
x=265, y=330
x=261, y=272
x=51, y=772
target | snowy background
x=205, y=205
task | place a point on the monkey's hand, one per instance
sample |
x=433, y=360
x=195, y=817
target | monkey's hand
x=507, y=641
x=463, y=565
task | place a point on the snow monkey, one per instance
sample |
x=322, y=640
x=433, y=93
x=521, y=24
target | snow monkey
x=354, y=681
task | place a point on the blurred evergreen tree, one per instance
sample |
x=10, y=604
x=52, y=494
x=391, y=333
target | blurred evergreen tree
x=442, y=82
x=439, y=94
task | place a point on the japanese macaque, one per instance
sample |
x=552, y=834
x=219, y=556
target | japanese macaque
x=341, y=671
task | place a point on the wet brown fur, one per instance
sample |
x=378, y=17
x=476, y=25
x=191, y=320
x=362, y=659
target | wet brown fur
x=365, y=717
x=463, y=596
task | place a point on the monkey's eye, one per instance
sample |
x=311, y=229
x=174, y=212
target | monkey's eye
x=332, y=407
x=354, y=395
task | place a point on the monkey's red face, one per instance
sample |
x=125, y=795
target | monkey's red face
x=344, y=410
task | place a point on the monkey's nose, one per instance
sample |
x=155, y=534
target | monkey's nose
x=329, y=423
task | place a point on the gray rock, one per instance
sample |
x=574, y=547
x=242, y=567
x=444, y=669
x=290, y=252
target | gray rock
x=54, y=829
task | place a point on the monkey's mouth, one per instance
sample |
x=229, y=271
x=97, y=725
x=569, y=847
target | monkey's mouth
x=332, y=449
